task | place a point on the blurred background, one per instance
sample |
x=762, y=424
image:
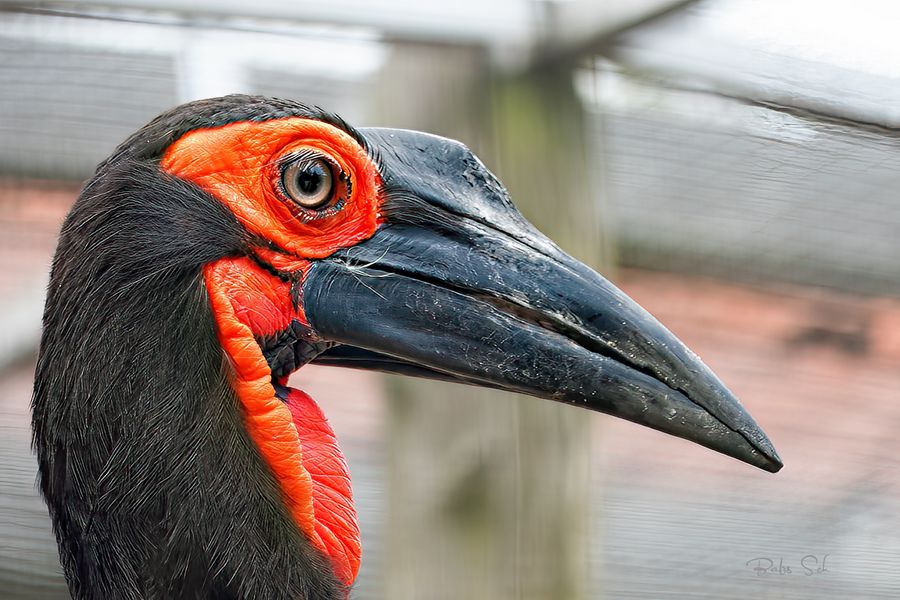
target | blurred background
x=731, y=164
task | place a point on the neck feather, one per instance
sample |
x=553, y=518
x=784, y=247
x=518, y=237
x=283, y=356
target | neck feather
x=153, y=484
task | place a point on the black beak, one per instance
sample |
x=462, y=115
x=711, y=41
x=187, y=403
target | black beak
x=456, y=285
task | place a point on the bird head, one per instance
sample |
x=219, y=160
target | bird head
x=394, y=251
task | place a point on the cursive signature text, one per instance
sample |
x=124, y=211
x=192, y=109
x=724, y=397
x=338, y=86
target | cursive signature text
x=809, y=565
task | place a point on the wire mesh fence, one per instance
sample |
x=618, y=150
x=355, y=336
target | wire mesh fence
x=706, y=183
x=799, y=212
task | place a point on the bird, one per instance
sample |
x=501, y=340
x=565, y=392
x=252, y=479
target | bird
x=233, y=240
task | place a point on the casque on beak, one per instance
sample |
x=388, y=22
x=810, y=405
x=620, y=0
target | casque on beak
x=457, y=285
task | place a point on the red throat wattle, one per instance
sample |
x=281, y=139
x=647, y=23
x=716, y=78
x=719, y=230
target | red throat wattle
x=292, y=435
x=236, y=164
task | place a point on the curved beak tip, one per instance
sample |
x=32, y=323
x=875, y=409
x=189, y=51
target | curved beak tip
x=773, y=462
x=750, y=445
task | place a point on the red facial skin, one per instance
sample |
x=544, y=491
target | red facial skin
x=239, y=164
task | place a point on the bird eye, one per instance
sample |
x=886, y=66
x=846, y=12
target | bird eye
x=308, y=181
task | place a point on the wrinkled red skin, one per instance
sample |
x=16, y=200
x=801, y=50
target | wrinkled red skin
x=238, y=164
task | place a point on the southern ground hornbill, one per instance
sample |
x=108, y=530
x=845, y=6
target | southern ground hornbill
x=233, y=240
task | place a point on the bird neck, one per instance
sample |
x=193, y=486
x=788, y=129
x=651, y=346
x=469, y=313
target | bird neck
x=155, y=487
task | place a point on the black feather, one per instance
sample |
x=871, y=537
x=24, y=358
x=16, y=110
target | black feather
x=153, y=485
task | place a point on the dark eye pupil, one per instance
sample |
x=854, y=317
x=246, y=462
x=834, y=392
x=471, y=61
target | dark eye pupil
x=310, y=180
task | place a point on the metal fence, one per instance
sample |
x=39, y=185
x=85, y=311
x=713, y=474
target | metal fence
x=707, y=183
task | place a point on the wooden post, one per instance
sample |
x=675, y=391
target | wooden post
x=489, y=492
